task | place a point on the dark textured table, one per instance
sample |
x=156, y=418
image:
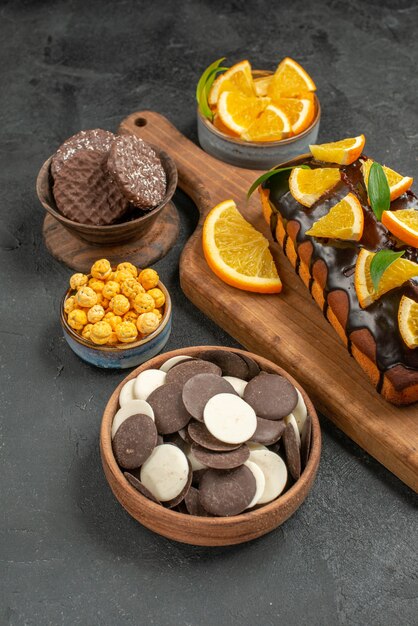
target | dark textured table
x=69, y=553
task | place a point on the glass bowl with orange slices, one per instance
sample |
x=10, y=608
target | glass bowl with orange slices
x=256, y=118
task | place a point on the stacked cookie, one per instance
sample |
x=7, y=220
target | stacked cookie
x=212, y=435
x=99, y=177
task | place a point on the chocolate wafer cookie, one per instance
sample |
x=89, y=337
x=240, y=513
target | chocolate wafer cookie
x=98, y=140
x=138, y=171
x=85, y=193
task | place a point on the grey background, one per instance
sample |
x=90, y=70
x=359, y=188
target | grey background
x=69, y=553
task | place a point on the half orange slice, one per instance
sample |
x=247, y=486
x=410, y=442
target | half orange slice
x=237, y=252
x=343, y=152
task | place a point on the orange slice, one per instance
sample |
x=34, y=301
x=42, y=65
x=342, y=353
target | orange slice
x=269, y=126
x=261, y=84
x=237, y=78
x=289, y=79
x=343, y=152
x=237, y=112
x=217, y=122
x=237, y=253
x=403, y=224
x=307, y=186
x=398, y=184
x=408, y=321
x=299, y=111
x=345, y=220
x=394, y=276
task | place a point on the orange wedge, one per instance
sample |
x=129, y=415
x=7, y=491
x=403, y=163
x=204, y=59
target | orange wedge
x=269, y=126
x=394, y=276
x=307, y=186
x=408, y=321
x=343, y=152
x=237, y=253
x=289, y=80
x=237, y=112
x=398, y=184
x=217, y=122
x=238, y=78
x=261, y=84
x=300, y=112
x=345, y=220
x=403, y=224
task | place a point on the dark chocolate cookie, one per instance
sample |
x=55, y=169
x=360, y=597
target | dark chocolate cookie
x=85, y=193
x=134, y=441
x=221, y=460
x=228, y=492
x=138, y=171
x=271, y=396
x=170, y=413
x=98, y=140
x=201, y=388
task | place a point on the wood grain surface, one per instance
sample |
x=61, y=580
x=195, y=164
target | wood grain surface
x=287, y=328
x=80, y=255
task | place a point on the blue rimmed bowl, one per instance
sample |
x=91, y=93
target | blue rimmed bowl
x=119, y=356
x=260, y=155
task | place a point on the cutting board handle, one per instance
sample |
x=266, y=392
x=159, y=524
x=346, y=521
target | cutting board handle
x=190, y=160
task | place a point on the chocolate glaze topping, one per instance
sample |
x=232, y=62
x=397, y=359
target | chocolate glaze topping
x=381, y=317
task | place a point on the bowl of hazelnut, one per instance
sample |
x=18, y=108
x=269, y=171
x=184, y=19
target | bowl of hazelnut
x=116, y=317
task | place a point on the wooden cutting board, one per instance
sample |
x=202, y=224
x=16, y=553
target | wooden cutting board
x=287, y=328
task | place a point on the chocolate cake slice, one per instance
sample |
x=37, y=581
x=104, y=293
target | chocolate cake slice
x=327, y=268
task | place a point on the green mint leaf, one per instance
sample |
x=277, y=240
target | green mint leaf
x=204, y=93
x=380, y=263
x=378, y=190
x=204, y=90
x=269, y=174
x=202, y=80
x=204, y=108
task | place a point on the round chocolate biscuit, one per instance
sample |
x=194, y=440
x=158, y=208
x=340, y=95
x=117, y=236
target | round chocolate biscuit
x=292, y=451
x=227, y=492
x=136, y=484
x=305, y=445
x=201, y=388
x=177, y=441
x=268, y=431
x=85, y=193
x=230, y=363
x=138, y=171
x=97, y=139
x=181, y=372
x=134, y=441
x=197, y=475
x=199, y=434
x=253, y=367
x=271, y=396
x=192, y=503
x=221, y=460
x=169, y=411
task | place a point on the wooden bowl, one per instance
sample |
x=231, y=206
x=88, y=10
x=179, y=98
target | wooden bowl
x=114, y=233
x=119, y=356
x=207, y=531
